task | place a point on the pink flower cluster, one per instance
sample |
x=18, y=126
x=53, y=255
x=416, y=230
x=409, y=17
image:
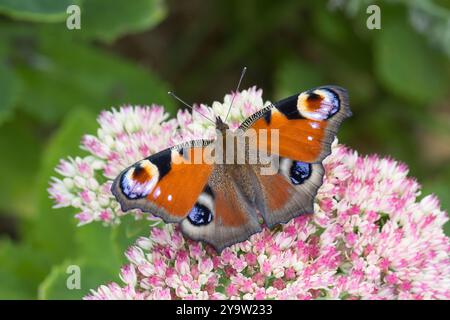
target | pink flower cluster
x=370, y=236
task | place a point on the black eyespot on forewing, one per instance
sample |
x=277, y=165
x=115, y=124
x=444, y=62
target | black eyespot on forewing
x=162, y=160
x=299, y=172
x=200, y=215
x=313, y=97
x=288, y=107
x=138, y=171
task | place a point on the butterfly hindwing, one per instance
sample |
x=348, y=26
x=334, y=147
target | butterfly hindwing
x=290, y=192
x=225, y=213
x=166, y=184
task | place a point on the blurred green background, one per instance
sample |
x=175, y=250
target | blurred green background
x=54, y=81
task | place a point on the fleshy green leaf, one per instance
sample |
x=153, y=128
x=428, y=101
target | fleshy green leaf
x=97, y=258
x=108, y=20
x=99, y=19
x=13, y=288
x=295, y=76
x=53, y=231
x=91, y=276
x=66, y=74
x=36, y=10
x=438, y=185
x=18, y=166
x=331, y=26
x=406, y=65
x=22, y=269
x=9, y=91
x=95, y=243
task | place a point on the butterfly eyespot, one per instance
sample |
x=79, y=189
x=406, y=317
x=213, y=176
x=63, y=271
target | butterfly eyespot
x=299, y=172
x=200, y=215
x=139, y=180
x=319, y=104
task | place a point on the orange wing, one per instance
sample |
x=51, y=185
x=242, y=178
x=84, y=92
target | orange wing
x=299, y=182
x=306, y=123
x=166, y=184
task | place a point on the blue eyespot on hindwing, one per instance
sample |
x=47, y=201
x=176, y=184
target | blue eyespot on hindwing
x=200, y=215
x=299, y=172
x=202, y=212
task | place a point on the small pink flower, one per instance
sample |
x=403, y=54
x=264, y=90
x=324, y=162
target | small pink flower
x=279, y=284
x=238, y=264
x=231, y=290
x=290, y=273
x=405, y=286
x=205, y=265
x=106, y=215
x=391, y=279
x=128, y=275
x=351, y=239
x=260, y=294
x=250, y=258
x=259, y=279
x=84, y=217
x=135, y=255
x=161, y=294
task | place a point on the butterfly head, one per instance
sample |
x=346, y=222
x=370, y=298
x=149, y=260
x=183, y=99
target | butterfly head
x=220, y=125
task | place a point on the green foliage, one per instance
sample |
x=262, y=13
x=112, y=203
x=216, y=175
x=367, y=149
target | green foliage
x=36, y=10
x=19, y=165
x=58, y=226
x=294, y=74
x=53, y=84
x=101, y=19
x=10, y=91
x=21, y=270
x=91, y=276
x=419, y=78
x=67, y=74
x=108, y=20
x=55, y=239
x=55, y=81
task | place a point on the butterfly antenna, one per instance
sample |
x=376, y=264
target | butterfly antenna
x=237, y=89
x=170, y=93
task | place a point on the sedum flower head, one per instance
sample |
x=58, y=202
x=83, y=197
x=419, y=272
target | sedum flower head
x=370, y=237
